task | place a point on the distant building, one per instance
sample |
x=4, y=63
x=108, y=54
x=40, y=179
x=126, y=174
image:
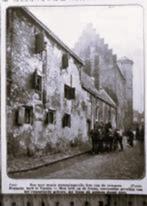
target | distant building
x=125, y=66
x=50, y=106
x=110, y=74
x=138, y=118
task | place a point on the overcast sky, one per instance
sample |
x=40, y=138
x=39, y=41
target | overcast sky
x=120, y=26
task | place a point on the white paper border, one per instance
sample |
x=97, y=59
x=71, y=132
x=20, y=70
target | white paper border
x=6, y=181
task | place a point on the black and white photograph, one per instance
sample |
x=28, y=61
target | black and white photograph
x=75, y=92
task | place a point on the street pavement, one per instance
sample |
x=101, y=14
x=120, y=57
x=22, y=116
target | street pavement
x=127, y=164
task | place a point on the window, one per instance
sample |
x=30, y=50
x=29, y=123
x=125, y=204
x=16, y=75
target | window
x=64, y=61
x=101, y=203
x=13, y=204
x=24, y=115
x=39, y=43
x=87, y=203
x=69, y=92
x=42, y=203
x=66, y=121
x=50, y=118
x=57, y=204
x=37, y=81
x=72, y=203
x=44, y=98
x=28, y=203
x=144, y=203
x=115, y=203
x=129, y=203
x=28, y=114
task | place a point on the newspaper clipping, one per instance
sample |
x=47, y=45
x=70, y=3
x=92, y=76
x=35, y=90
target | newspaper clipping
x=73, y=97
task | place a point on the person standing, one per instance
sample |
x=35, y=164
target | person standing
x=130, y=137
x=118, y=139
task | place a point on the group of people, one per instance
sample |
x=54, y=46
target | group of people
x=105, y=139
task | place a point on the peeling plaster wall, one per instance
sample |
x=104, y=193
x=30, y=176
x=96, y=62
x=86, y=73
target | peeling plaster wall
x=22, y=61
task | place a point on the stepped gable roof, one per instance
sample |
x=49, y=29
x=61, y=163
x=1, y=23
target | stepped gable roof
x=88, y=85
x=51, y=34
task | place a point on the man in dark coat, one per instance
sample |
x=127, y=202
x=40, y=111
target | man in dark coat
x=93, y=135
x=130, y=137
x=137, y=133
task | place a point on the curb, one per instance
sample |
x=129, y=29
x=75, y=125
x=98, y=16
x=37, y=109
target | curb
x=47, y=164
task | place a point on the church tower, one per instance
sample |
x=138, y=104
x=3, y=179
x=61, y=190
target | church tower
x=126, y=66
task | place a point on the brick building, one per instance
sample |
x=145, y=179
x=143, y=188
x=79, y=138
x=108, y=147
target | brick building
x=48, y=104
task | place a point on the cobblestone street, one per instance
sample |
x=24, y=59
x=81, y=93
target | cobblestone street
x=128, y=164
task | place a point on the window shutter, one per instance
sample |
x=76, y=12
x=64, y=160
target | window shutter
x=39, y=42
x=66, y=91
x=66, y=120
x=31, y=115
x=63, y=121
x=72, y=93
x=44, y=97
x=46, y=118
x=69, y=92
x=35, y=79
x=21, y=116
x=64, y=61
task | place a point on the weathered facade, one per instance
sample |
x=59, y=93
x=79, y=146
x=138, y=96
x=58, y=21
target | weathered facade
x=101, y=63
x=100, y=106
x=126, y=65
x=47, y=106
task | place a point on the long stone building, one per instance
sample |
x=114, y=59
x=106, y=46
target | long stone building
x=52, y=101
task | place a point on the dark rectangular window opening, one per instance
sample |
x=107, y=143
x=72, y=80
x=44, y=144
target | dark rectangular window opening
x=66, y=121
x=39, y=83
x=24, y=114
x=64, y=61
x=130, y=203
x=50, y=117
x=28, y=114
x=101, y=203
x=69, y=92
x=39, y=43
x=115, y=203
